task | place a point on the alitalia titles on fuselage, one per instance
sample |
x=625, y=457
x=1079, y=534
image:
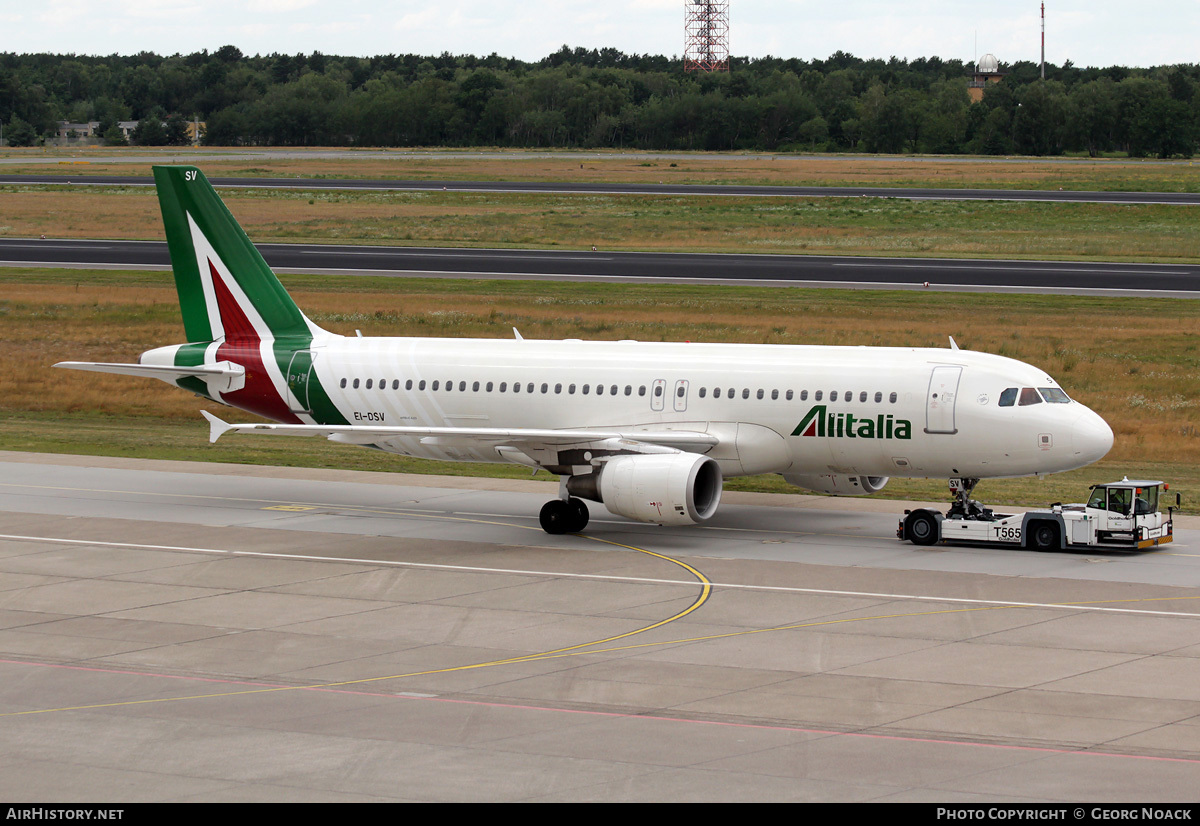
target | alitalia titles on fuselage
x=821, y=423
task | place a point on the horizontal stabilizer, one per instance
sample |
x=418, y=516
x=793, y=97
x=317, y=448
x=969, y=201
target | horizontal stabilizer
x=154, y=371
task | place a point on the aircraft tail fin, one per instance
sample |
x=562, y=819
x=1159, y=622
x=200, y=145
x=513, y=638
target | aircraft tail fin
x=226, y=290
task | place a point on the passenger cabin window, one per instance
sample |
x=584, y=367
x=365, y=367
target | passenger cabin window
x=1009, y=397
x=1029, y=396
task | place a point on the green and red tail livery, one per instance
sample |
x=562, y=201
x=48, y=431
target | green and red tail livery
x=226, y=290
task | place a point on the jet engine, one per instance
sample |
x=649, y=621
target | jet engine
x=839, y=485
x=666, y=488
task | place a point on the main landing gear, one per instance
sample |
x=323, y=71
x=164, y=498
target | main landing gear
x=564, y=516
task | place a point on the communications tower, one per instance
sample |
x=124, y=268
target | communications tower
x=706, y=36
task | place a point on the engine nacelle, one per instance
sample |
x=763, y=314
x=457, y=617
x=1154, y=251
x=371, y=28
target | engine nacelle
x=666, y=488
x=838, y=485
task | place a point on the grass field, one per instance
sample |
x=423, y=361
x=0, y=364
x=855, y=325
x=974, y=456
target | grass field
x=843, y=226
x=628, y=167
x=1137, y=363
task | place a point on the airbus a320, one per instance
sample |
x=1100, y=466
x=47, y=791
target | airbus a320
x=649, y=429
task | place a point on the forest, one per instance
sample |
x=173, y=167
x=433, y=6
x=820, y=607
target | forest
x=580, y=98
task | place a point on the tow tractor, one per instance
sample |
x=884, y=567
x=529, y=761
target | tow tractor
x=1119, y=515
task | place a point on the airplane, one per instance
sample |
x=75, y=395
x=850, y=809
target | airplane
x=648, y=429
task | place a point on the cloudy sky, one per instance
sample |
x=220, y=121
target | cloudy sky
x=1087, y=32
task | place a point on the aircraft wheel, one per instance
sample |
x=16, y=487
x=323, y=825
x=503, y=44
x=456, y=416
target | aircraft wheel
x=579, y=510
x=922, y=529
x=558, y=517
x=1044, y=536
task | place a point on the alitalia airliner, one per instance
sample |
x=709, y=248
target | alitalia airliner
x=649, y=429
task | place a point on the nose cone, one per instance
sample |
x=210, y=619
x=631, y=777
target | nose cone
x=1091, y=437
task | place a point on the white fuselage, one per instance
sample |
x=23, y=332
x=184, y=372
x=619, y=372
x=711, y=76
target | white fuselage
x=887, y=411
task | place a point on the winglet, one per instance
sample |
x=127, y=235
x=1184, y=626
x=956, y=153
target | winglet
x=216, y=427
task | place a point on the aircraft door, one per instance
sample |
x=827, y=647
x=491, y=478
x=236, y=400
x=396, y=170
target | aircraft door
x=940, y=399
x=657, y=394
x=299, y=371
x=680, y=397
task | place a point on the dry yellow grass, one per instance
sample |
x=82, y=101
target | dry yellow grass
x=608, y=166
x=833, y=225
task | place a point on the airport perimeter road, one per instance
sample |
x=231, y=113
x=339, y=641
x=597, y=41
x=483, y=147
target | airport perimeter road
x=765, y=270
x=182, y=631
x=565, y=188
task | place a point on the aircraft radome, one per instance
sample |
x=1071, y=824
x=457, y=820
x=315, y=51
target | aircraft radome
x=648, y=429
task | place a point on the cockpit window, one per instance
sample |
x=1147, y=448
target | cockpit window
x=1009, y=397
x=1054, y=395
x=1029, y=396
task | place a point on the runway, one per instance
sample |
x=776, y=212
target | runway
x=981, y=275
x=184, y=631
x=610, y=188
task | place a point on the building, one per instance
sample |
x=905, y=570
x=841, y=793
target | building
x=987, y=70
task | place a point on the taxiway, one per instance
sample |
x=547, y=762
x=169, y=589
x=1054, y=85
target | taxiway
x=982, y=275
x=185, y=631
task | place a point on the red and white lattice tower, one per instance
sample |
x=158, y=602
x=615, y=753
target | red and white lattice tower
x=706, y=37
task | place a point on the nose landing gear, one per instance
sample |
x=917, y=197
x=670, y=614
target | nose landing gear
x=964, y=506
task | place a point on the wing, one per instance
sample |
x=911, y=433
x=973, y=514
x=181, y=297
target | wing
x=536, y=447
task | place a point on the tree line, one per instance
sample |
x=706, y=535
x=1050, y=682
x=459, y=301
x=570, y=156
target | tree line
x=607, y=99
